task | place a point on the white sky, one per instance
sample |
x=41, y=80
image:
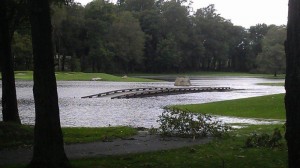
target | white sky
x=244, y=13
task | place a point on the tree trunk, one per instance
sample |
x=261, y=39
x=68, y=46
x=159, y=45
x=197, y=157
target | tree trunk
x=9, y=98
x=63, y=62
x=48, y=148
x=292, y=84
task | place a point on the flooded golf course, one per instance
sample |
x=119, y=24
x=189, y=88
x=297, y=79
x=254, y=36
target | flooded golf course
x=137, y=112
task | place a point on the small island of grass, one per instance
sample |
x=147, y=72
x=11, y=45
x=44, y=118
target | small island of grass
x=265, y=107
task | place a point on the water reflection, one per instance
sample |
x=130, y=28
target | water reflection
x=95, y=112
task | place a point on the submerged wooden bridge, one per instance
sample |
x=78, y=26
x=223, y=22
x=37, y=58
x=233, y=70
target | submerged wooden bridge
x=154, y=91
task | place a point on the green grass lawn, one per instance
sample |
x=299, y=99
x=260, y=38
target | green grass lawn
x=12, y=135
x=265, y=107
x=80, y=76
x=231, y=151
x=271, y=84
x=228, y=152
x=83, y=135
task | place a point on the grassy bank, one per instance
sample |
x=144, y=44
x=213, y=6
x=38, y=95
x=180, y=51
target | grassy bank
x=271, y=84
x=214, y=74
x=83, y=135
x=265, y=107
x=80, y=76
x=136, y=77
x=230, y=151
x=12, y=135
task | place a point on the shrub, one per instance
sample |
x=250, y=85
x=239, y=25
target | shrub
x=264, y=140
x=175, y=122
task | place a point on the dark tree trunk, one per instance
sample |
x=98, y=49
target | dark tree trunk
x=292, y=84
x=48, y=148
x=63, y=61
x=9, y=98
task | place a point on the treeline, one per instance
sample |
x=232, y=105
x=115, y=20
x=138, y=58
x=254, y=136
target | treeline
x=154, y=36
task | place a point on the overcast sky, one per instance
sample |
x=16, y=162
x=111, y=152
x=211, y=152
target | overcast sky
x=244, y=13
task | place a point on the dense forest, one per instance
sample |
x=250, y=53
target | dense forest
x=153, y=36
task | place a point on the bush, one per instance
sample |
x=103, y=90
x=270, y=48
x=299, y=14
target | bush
x=264, y=140
x=175, y=122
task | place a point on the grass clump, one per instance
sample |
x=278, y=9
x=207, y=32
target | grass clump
x=265, y=107
x=264, y=140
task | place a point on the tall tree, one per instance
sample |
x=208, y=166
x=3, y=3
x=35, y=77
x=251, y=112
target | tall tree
x=292, y=84
x=175, y=25
x=98, y=16
x=272, y=57
x=9, y=98
x=138, y=5
x=256, y=35
x=69, y=34
x=22, y=51
x=150, y=21
x=213, y=29
x=238, y=47
x=48, y=149
x=126, y=41
x=169, y=56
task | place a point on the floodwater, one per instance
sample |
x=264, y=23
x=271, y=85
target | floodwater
x=138, y=112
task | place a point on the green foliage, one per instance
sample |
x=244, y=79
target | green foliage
x=264, y=140
x=256, y=36
x=138, y=5
x=174, y=122
x=153, y=131
x=151, y=36
x=214, y=31
x=126, y=42
x=75, y=65
x=169, y=57
x=22, y=51
x=99, y=16
x=267, y=107
x=272, y=57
